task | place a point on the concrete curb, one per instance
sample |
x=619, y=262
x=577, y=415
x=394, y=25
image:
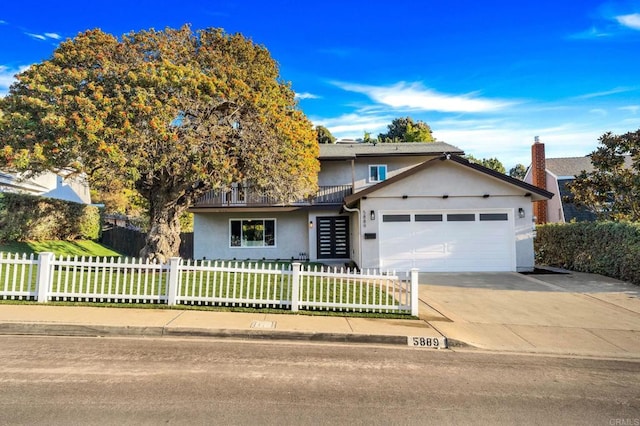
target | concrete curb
x=102, y=330
x=77, y=330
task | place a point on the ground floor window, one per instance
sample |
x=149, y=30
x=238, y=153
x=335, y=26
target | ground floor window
x=252, y=232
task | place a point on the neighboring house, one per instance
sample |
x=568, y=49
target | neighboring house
x=48, y=184
x=389, y=206
x=553, y=174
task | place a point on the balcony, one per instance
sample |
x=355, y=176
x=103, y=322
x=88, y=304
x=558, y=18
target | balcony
x=247, y=196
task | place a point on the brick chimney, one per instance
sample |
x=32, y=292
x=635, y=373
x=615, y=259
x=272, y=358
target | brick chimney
x=539, y=179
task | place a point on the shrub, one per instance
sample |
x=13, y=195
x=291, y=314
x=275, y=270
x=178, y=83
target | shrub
x=606, y=248
x=32, y=218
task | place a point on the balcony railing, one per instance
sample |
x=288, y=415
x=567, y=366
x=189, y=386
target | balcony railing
x=252, y=197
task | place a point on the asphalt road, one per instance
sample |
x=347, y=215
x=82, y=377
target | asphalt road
x=62, y=380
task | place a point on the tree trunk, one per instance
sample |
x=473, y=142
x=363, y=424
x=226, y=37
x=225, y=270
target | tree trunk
x=163, y=238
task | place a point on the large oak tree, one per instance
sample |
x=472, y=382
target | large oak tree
x=171, y=113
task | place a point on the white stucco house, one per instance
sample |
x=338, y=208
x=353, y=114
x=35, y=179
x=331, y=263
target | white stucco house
x=389, y=206
x=48, y=184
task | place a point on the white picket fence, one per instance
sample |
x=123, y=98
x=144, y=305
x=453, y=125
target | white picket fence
x=46, y=278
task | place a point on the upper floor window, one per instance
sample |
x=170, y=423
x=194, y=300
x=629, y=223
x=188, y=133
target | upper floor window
x=377, y=172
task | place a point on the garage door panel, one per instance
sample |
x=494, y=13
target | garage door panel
x=461, y=241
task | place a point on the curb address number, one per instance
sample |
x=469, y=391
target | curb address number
x=426, y=342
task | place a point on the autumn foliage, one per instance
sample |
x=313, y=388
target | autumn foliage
x=172, y=114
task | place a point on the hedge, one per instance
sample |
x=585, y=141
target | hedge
x=32, y=218
x=606, y=248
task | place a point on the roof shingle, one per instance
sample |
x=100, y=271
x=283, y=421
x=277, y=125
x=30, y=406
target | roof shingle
x=353, y=150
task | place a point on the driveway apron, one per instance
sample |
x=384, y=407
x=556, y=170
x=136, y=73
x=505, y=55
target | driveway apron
x=568, y=313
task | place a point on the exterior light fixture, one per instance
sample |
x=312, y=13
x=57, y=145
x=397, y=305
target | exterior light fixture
x=445, y=196
x=486, y=196
x=372, y=215
x=404, y=197
x=520, y=212
x=310, y=224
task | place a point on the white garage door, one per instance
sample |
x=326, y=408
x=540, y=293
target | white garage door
x=447, y=241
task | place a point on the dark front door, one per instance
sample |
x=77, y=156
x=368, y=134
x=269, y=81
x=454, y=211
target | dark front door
x=333, y=237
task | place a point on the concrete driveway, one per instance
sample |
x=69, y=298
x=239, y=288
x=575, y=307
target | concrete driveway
x=570, y=313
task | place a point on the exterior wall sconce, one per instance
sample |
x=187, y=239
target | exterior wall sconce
x=445, y=196
x=404, y=197
x=311, y=224
x=486, y=196
x=520, y=212
x=372, y=215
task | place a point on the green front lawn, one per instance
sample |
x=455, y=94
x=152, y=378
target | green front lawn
x=59, y=248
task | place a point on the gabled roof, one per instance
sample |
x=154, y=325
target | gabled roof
x=569, y=166
x=573, y=166
x=405, y=149
x=528, y=188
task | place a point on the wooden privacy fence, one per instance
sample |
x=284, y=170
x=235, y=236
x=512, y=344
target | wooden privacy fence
x=129, y=242
x=295, y=286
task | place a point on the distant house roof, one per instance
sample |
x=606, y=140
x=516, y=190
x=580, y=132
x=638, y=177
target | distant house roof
x=539, y=193
x=353, y=150
x=571, y=210
x=573, y=166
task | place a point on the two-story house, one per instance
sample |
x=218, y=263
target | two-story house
x=390, y=206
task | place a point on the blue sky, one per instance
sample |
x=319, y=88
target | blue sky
x=487, y=76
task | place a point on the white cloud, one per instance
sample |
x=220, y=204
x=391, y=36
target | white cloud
x=45, y=36
x=306, y=95
x=3, y=22
x=354, y=125
x=609, y=25
x=416, y=96
x=7, y=77
x=604, y=93
x=36, y=36
x=591, y=33
x=511, y=144
x=598, y=111
x=630, y=21
x=633, y=109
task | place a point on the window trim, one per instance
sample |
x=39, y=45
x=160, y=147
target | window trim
x=264, y=220
x=378, y=166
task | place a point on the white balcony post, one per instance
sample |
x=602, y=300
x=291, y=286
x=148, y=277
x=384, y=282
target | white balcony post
x=44, y=278
x=174, y=275
x=295, y=286
x=414, y=292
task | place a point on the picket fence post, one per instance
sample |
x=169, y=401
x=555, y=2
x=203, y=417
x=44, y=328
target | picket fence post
x=44, y=278
x=295, y=286
x=174, y=273
x=414, y=292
